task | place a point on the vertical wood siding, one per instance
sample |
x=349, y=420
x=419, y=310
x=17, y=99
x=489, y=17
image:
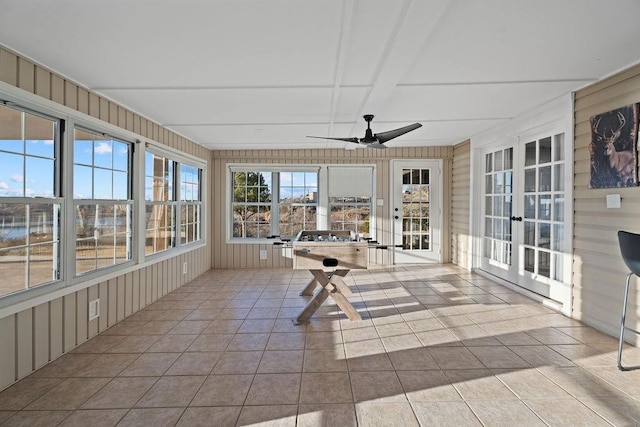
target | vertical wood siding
x=461, y=205
x=225, y=255
x=599, y=271
x=35, y=336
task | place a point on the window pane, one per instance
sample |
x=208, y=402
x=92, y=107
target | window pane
x=558, y=177
x=120, y=156
x=102, y=184
x=82, y=182
x=530, y=154
x=11, y=175
x=39, y=177
x=103, y=153
x=545, y=150
x=13, y=268
x=83, y=151
x=120, y=186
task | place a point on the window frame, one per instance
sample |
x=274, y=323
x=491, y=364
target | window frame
x=55, y=200
x=68, y=282
x=322, y=198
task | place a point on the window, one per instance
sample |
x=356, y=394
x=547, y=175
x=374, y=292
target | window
x=297, y=202
x=350, y=195
x=163, y=204
x=190, y=203
x=29, y=200
x=102, y=200
x=160, y=208
x=254, y=206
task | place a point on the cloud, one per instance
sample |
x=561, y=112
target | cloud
x=3, y=185
x=103, y=148
x=17, y=178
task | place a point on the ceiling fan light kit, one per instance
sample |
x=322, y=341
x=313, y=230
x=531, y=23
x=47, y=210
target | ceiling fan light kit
x=376, y=140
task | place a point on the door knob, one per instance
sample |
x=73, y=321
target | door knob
x=396, y=217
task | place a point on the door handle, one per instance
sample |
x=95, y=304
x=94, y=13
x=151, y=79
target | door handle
x=516, y=218
x=396, y=217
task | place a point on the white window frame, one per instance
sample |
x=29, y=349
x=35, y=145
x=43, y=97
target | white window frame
x=323, y=206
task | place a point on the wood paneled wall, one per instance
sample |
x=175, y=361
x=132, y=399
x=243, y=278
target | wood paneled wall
x=599, y=271
x=35, y=336
x=225, y=255
x=461, y=205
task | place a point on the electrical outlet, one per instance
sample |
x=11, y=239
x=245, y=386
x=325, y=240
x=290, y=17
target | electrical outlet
x=184, y=267
x=94, y=309
x=263, y=254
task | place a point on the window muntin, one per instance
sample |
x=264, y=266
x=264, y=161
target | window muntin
x=103, y=201
x=29, y=227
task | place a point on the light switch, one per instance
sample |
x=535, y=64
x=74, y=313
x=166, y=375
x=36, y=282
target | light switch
x=613, y=201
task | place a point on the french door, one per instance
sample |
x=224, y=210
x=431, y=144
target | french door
x=416, y=213
x=524, y=240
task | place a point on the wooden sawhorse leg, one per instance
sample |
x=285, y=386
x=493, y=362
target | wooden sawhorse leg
x=332, y=286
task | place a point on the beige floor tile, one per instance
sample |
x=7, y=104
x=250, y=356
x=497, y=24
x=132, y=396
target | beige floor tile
x=455, y=358
x=287, y=326
x=478, y=384
x=233, y=313
x=332, y=360
x=203, y=314
x=211, y=342
x=325, y=387
x=171, y=392
x=580, y=382
x=445, y=414
x=550, y=335
x=274, y=389
x=286, y=341
x=223, y=326
x=584, y=355
x=385, y=414
x=377, y=386
x=323, y=340
x=190, y=327
x=238, y=362
x=125, y=327
x=256, y=326
x=200, y=363
x=156, y=327
x=36, y=418
x=343, y=415
x=5, y=415
x=439, y=337
x=223, y=390
x=412, y=359
x=498, y=357
x=619, y=411
x=506, y=413
x=172, y=344
x=107, y=365
x=427, y=386
x=120, y=393
x=248, y=342
x=69, y=394
x=401, y=342
x=540, y=355
x=627, y=381
x=94, y=417
x=99, y=344
x=64, y=366
x=134, y=344
x=530, y=384
x=156, y=417
x=281, y=361
x=221, y=416
x=26, y=391
x=268, y=416
x=150, y=365
x=565, y=412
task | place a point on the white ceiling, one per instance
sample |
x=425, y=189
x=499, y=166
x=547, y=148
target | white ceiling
x=233, y=74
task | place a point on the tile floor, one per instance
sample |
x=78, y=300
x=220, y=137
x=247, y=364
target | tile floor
x=436, y=346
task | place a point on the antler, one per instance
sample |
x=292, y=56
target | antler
x=614, y=133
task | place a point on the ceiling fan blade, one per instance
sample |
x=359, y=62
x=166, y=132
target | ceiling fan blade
x=383, y=137
x=354, y=140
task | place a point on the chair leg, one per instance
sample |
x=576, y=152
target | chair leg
x=622, y=323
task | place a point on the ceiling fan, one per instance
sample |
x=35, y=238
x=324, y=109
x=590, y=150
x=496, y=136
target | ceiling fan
x=376, y=140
